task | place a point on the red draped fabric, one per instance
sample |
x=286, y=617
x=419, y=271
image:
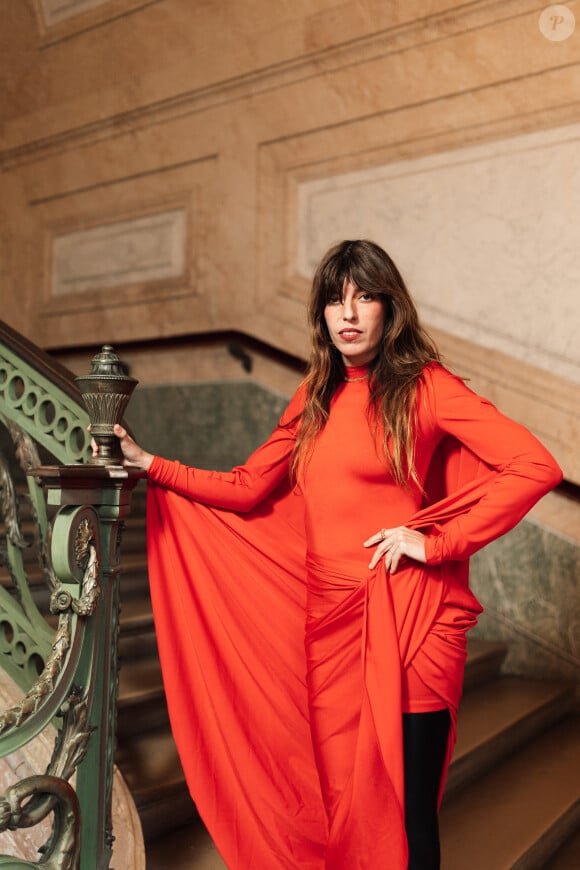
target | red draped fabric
x=284, y=668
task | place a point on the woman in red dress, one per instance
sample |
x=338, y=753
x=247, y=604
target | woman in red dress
x=312, y=605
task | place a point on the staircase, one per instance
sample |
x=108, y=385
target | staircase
x=513, y=793
x=146, y=753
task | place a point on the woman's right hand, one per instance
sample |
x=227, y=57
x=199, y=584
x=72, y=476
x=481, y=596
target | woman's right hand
x=133, y=455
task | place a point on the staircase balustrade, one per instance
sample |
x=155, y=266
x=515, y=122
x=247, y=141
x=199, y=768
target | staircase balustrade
x=63, y=660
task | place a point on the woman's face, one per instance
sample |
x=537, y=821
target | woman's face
x=356, y=323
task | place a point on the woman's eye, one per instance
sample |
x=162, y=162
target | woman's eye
x=367, y=297
x=334, y=300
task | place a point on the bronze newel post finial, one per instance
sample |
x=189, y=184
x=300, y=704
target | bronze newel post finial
x=106, y=392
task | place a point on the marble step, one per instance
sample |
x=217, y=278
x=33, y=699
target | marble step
x=568, y=856
x=191, y=848
x=497, y=717
x=494, y=719
x=141, y=704
x=524, y=815
x=521, y=812
x=136, y=616
x=133, y=576
x=151, y=768
x=484, y=659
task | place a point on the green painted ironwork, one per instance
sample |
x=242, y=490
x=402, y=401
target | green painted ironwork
x=67, y=671
x=52, y=417
x=25, y=637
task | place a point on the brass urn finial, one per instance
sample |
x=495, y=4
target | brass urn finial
x=106, y=392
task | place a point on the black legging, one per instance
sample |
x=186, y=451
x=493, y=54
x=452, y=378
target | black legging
x=424, y=743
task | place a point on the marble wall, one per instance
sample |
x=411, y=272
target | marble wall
x=213, y=425
x=529, y=584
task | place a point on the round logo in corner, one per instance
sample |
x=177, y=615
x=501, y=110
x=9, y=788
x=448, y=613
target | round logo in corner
x=557, y=22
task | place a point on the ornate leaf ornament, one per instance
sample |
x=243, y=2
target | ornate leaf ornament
x=16, y=715
x=9, y=505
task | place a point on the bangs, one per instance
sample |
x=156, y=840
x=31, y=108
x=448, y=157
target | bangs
x=333, y=279
x=347, y=267
x=363, y=264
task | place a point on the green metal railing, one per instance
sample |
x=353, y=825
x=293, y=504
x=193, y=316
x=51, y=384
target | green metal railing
x=63, y=660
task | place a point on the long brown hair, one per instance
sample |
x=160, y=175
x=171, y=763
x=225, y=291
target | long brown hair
x=405, y=349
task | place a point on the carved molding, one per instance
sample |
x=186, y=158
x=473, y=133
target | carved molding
x=118, y=245
x=547, y=402
x=137, y=251
x=42, y=689
x=63, y=19
x=420, y=33
x=184, y=195
x=55, y=11
x=486, y=237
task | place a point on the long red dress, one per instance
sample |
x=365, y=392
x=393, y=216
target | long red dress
x=288, y=663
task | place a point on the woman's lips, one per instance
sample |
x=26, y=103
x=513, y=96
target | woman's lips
x=350, y=334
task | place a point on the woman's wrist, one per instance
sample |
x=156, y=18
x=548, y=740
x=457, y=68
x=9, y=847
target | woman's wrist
x=146, y=460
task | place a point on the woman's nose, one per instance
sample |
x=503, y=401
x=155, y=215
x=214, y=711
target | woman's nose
x=349, y=310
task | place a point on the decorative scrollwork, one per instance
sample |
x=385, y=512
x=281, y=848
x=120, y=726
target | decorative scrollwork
x=28, y=457
x=86, y=559
x=72, y=740
x=45, y=794
x=60, y=601
x=9, y=506
x=83, y=528
x=16, y=715
x=25, y=448
x=28, y=802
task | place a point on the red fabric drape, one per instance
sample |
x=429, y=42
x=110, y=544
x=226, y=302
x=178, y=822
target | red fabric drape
x=237, y=631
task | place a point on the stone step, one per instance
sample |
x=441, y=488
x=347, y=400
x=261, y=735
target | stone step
x=520, y=813
x=512, y=819
x=133, y=574
x=568, y=856
x=151, y=767
x=141, y=705
x=136, y=617
x=134, y=537
x=493, y=719
x=484, y=659
x=190, y=847
x=498, y=716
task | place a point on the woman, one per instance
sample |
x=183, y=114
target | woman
x=312, y=605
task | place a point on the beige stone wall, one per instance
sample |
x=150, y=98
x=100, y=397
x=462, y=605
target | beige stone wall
x=155, y=154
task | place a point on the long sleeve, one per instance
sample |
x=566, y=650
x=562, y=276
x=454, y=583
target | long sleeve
x=526, y=470
x=242, y=488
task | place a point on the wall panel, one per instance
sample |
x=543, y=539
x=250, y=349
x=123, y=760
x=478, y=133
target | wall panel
x=126, y=253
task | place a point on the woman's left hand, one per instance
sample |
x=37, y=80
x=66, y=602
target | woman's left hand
x=393, y=544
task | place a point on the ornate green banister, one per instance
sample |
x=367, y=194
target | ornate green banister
x=68, y=672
